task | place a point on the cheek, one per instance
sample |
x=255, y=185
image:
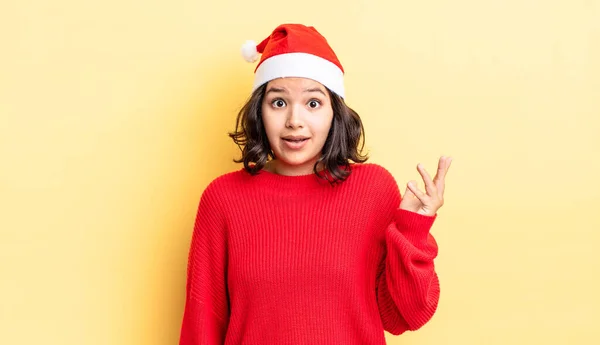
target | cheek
x=323, y=126
x=272, y=127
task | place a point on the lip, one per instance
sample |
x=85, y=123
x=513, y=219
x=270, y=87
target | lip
x=295, y=145
x=295, y=137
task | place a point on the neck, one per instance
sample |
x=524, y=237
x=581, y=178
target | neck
x=279, y=168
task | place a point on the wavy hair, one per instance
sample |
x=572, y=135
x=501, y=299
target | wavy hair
x=344, y=143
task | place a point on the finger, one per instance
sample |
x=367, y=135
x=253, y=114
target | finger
x=430, y=186
x=408, y=194
x=439, y=179
x=412, y=185
x=443, y=166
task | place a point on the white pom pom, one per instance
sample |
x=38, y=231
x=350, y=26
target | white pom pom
x=249, y=51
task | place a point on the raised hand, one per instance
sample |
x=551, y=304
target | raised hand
x=428, y=202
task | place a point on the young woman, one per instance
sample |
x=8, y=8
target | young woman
x=307, y=243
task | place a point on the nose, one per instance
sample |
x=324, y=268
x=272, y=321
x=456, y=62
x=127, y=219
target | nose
x=294, y=117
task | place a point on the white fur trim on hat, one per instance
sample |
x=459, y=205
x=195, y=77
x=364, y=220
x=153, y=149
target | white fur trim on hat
x=301, y=65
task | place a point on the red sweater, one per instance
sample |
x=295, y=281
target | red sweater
x=291, y=260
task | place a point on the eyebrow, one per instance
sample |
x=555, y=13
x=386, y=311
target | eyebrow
x=315, y=89
x=282, y=90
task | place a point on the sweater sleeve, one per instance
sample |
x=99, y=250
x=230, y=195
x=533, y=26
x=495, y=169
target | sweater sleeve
x=408, y=287
x=206, y=311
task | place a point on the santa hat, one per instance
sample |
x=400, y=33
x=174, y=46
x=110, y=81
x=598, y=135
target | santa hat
x=295, y=50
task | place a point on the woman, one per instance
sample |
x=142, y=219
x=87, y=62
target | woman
x=307, y=244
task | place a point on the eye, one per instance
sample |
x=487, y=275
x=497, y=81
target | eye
x=278, y=103
x=314, y=103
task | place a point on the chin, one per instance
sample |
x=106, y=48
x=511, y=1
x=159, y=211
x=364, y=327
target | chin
x=297, y=161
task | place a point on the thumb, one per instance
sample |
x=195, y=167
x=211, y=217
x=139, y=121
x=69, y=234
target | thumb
x=408, y=193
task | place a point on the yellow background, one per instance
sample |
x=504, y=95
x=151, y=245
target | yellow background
x=114, y=117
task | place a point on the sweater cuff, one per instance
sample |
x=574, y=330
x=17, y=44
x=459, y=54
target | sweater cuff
x=414, y=226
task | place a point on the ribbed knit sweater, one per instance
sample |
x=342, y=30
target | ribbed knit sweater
x=292, y=260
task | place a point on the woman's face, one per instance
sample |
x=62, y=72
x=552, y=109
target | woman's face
x=297, y=116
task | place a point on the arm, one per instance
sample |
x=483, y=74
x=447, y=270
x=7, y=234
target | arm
x=408, y=288
x=206, y=312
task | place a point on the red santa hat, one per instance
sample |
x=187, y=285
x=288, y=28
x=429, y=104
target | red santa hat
x=295, y=50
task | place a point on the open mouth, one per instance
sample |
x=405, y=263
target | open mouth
x=295, y=140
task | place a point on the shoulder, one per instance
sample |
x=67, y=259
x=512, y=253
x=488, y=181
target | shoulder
x=379, y=180
x=226, y=180
x=222, y=186
x=374, y=173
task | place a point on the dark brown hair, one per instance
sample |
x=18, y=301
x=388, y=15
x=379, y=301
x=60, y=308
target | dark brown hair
x=341, y=145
